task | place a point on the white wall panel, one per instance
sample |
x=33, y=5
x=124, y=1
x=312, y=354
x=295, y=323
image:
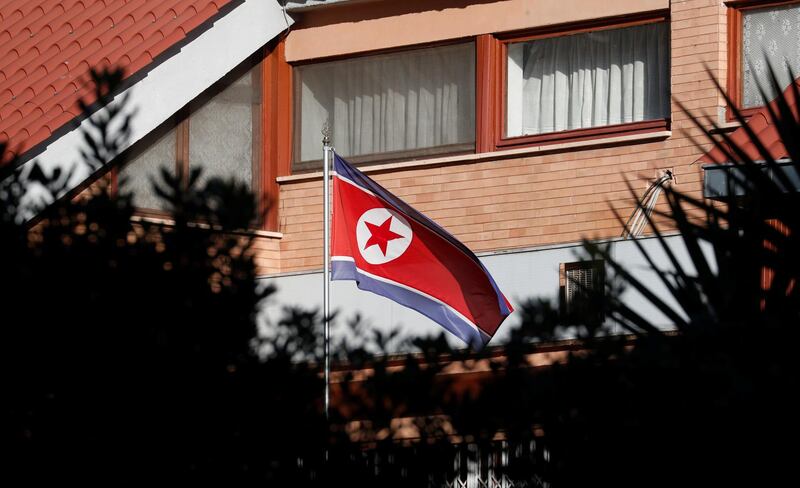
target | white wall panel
x=520, y=275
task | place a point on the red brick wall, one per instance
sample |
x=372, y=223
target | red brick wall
x=539, y=199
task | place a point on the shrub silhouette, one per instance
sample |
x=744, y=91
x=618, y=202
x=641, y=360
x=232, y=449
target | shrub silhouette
x=130, y=354
x=710, y=402
x=127, y=347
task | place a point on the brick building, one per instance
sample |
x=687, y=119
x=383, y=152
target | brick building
x=512, y=123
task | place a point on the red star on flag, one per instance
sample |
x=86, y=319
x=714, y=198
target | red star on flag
x=381, y=235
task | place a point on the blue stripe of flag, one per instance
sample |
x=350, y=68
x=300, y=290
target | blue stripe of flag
x=441, y=314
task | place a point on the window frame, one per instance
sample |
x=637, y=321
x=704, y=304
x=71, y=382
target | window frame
x=376, y=158
x=735, y=27
x=490, y=99
x=180, y=122
x=495, y=59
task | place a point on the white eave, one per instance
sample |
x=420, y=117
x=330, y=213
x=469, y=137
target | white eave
x=171, y=84
x=300, y=5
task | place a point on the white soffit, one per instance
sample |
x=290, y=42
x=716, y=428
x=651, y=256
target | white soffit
x=298, y=5
x=175, y=81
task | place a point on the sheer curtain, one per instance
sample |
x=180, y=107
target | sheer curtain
x=137, y=176
x=406, y=101
x=588, y=80
x=221, y=133
x=221, y=142
x=770, y=36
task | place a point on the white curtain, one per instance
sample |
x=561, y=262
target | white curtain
x=588, y=80
x=395, y=102
x=770, y=36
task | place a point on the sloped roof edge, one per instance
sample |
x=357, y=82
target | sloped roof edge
x=47, y=48
x=762, y=125
x=174, y=82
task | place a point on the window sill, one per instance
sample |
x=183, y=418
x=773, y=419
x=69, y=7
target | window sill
x=495, y=155
x=245, y=232
x=393, y=157
x=746, y=113
x=725, y=127
x=587, y=134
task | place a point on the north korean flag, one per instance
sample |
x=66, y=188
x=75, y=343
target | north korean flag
x=390, y=249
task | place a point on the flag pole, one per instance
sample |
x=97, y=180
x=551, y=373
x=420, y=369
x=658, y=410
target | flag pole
x=327, y=151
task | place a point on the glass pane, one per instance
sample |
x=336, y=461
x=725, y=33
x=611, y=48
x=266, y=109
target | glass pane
x=391, y=103
x=588, y=80
x=770, y=36
x=221, y=133
x=137, y=176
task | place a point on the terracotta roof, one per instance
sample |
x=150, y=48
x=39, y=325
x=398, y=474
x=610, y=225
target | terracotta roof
x=762, y=126
x=48, y=46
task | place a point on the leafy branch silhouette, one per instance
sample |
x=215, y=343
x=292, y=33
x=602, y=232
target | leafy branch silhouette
x=131, y=350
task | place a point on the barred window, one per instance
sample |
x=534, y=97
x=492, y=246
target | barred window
x=583, y=292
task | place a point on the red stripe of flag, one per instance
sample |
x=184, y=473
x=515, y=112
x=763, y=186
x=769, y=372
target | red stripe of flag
x=431, y=263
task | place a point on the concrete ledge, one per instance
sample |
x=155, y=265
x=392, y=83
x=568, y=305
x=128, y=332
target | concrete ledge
x=200, y=225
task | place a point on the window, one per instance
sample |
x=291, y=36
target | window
x=770, y=36
x=219, y=133
x=760, y=36
x=595, y=78
x=139, y=173
x=380, y=107
x=583, y=292
x=587, y=80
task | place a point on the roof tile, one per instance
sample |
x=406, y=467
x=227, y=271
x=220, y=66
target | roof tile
x=766, y=132
x=48, y=46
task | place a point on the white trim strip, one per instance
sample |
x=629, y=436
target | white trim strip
x=353, y=183
x=343, y=258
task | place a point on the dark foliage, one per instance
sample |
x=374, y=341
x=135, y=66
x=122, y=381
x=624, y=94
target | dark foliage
x=130, y=355
x=127, y=347
x=711, y=402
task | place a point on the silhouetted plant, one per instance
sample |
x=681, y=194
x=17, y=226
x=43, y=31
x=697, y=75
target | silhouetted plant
x=130, y=353
x=127, y=346
x=710, y=401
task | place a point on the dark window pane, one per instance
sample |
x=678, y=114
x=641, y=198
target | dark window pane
x=584, y=293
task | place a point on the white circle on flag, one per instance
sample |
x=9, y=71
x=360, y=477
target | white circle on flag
x=383, y=235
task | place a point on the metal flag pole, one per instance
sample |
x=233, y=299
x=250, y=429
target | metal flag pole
x=327, y=151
